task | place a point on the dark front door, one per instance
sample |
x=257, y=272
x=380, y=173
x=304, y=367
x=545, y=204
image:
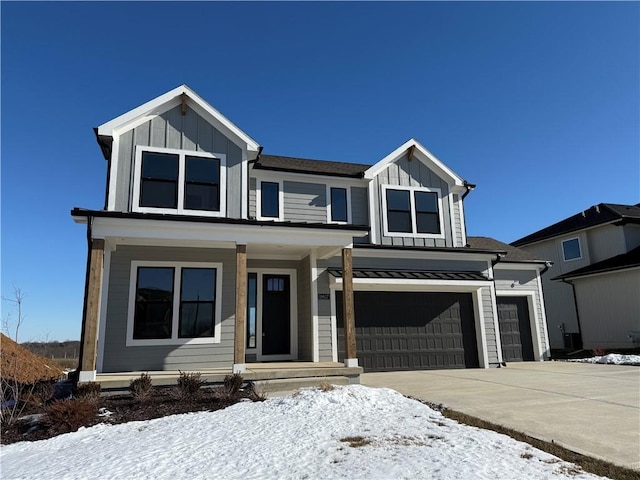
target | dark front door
x=276, y=315
x=515, y=329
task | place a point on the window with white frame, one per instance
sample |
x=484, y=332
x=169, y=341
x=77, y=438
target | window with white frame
x=269, y=198
x=174, y=303
x=338, y=204
x=179, y=181
x=412, y=211
x=571, y=249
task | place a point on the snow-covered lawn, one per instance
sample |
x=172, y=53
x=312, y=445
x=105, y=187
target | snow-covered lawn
x=612, y=358
x=349, y=432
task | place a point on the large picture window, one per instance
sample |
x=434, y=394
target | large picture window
x=177, y=181
x=412, y=211
x=174, y=303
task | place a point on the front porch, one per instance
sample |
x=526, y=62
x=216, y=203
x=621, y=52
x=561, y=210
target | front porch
x=273, y=376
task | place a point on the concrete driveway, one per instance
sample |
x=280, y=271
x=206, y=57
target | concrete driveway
x=590, y=409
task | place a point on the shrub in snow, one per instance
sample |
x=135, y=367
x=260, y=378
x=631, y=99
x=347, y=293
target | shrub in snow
x=65, y=416
x=189, y=385
x=141, y=387
x=89, y=391
x=233, y=384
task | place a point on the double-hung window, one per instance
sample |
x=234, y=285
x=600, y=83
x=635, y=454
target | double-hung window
x=339, y=199
x=174, y=303
x=412, y=211
x=269, y=200
x=177, y=181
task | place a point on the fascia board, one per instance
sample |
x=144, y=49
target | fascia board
x=426, y=255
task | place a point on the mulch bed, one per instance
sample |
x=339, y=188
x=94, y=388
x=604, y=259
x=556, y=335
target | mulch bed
x=124, y=408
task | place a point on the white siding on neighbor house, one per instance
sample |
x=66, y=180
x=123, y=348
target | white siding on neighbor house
x=414, y=173
x=631, y=236
x=558, y=296
x=609, y=308
x=120, y=358
x=525, y=281
x=605, y=242
x=188, y=132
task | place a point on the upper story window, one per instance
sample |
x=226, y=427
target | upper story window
x=571, y=249
x=412, y=211
x=339, y=199
x=269, y=201
x=176, y=181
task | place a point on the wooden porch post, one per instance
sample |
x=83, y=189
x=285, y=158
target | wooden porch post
x=92, y=312
x=350, y=359
x=241, y=309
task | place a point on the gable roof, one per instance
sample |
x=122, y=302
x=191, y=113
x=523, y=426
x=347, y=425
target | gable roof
x=422, y=154
x=623, y=261
x=596, y=215
x=513, y=254
x=313, y=167
x=164, y=102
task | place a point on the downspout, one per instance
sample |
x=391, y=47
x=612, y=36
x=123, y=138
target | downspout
x=86, y=293
x=494, y=262
x=575, y=305
x=469, y=187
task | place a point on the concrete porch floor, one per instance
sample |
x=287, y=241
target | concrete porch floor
x=258, y=372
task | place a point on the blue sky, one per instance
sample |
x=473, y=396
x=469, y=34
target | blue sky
x=537, y=103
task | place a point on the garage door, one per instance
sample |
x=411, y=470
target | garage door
x=411, y=330
x=515, y=329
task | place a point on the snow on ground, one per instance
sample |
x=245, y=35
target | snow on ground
x=613, y=358
x=350, y=432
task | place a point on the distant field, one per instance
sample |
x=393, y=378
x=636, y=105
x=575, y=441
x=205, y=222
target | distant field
x=65, y=354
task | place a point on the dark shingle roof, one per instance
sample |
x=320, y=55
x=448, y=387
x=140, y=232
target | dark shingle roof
x=410, y=274
x=314, y=167
x=596, y=215
x=514, y=254
x=619, y=262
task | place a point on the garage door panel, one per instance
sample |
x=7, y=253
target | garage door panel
x=410, y=330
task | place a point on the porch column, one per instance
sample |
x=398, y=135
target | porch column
x=89, y=335
x=241, y=309
x=350, y=359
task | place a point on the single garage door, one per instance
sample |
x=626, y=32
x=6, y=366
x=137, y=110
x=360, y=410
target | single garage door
x=411, y=330
x=515, y=329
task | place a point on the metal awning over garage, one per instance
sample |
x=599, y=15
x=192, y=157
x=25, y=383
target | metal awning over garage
x=376, y=273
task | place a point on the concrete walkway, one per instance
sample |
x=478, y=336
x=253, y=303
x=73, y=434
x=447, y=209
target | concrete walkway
x=590, y=409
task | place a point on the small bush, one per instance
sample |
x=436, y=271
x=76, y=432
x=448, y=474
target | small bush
x=141, y=387
x=89, y=391
x=189, y=385
x=41, y=394
x=65, y=416
x=326, y=387
x=599, y=352
x=233, y=384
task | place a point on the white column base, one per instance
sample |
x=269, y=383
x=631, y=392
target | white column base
x=87, y=376
x=350, y=362
x=239, y=368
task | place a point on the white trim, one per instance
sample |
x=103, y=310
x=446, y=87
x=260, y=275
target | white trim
x=334, y=325
x=104, y=298
x=182, y=154
x=547, y=352
x=412, y=205
x=506, y=265
x=452, y=222
x=158, y=105
x=113, y=174
x=373, y=227
x=350, y=362
x=273, y=175
x=259, y=215
x=293, y=296
x=463, y=226
x=315, y=320
x=564, y=256
x=174, y=340
x=494, y=306
x=481, y=332
x=87, y=376
x=347, y=190
x=244, y=188
x=534, y=320
x=422, y=154
x=394, y=252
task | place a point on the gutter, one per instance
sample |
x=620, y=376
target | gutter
x=469, y=187
x=85, y=301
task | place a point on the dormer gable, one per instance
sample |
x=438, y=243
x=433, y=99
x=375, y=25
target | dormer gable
x=415, y=199
x=176, y=154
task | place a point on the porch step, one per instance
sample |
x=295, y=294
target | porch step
x=284, y=386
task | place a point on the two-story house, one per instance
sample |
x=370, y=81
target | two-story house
x=592, y=291
x=210, y=254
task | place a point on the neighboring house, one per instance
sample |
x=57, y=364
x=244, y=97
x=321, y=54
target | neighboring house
x=209, y=253
x=592, y=292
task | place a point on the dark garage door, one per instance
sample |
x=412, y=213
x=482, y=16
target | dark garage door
x=515, y=329
x=411, y=330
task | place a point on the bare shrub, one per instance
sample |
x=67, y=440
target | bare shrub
x=89, y=391
x=65, y=416
x=189, y=385
x=326, y=387
x=356, y=442
x=257, y=393
x=40, y=395
x=233, y=384
x=141, y=387
x=599, y=352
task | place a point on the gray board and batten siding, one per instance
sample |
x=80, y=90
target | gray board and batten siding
x=120, y=358
x=414, y=173
x=188, y=132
